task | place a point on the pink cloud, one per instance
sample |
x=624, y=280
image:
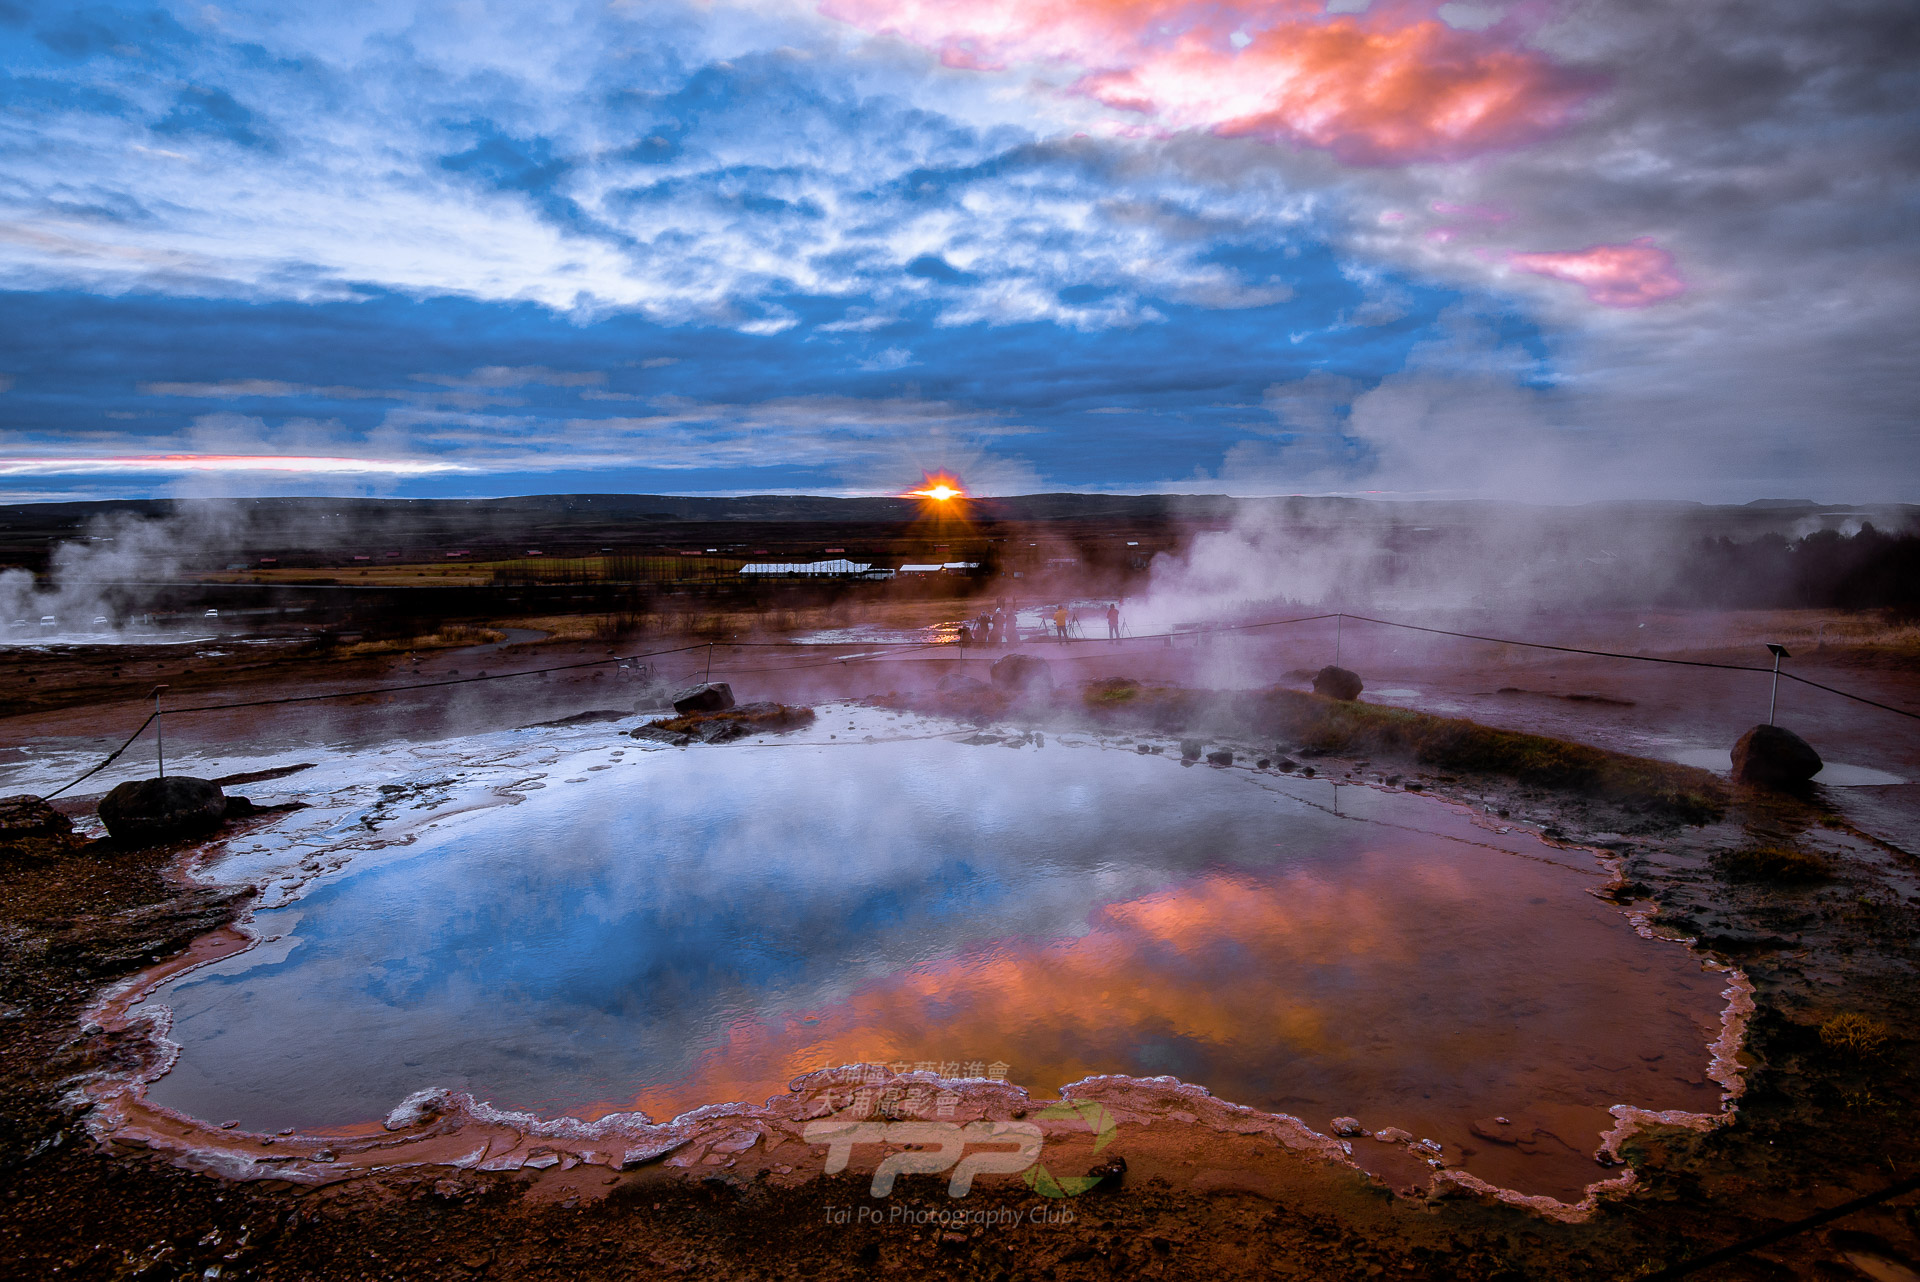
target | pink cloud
x=1393, y=86
x=1631, y=275
x=1485, y=213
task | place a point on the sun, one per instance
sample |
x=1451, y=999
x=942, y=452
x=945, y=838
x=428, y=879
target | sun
x=940, y=488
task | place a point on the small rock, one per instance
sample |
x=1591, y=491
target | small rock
x=1774, y=757
x=1338, y=683
x=1393, y=1135
x=1190, y=749
x=1220, y=757
x=955, y=683
x=736, y=1142
x=1349, y=1128
x=1111, y=1173
x=1264, y=762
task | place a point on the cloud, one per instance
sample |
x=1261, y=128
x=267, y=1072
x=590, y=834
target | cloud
x=213, y=113
x=165, y=464
x=495, y=376
x=1394, y=85
x=271, y=388
x=890, y=358
x=536, y=217
x=1632, y=275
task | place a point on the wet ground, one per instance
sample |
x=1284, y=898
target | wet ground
x=647, y=929
x=1820, y=1122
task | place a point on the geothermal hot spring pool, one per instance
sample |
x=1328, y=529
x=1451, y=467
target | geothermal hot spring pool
x=571, y=923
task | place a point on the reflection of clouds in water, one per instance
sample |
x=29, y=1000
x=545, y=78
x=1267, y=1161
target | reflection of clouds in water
x=703, y=925
x=691, y=888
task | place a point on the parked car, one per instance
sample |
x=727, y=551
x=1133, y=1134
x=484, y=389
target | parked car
x=49, y=621
x=213, y=614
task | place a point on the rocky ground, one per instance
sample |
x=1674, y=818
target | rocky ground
x=1823, y=915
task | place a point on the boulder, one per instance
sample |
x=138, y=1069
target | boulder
x=32, y=829
x=1337, y=683
x=708, y=696
x=1774, y=757
x=28, y=816
x=156, y=809
x=1220, y=757
x=1022, y=672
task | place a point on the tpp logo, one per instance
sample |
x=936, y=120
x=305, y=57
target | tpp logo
x=967, y=1149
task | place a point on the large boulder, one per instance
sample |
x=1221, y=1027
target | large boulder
x=1774, y=757
x=156, y=809
x=708, y=696
x=1338, y=683
x=1022, y=672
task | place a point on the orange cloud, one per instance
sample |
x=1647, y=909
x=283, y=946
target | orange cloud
x=1631, y=275
x=1393, y=86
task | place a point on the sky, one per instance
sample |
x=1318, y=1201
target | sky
x=1545, y=250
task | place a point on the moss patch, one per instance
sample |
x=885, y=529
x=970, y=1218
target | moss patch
x=1854, y=1036
x=752, y=718
x=1112, y=691
x=1773, y=863
x=1364, y=729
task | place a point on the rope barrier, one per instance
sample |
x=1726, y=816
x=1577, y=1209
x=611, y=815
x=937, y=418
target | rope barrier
x=1781, y=1232
x=111, y=758
x=1638, y=658
x=911, y=646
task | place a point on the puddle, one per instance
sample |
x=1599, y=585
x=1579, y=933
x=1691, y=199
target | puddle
x=701, y=926
x=1834, y=774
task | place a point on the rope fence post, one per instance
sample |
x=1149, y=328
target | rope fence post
x=1773, y=696
x=159, y=733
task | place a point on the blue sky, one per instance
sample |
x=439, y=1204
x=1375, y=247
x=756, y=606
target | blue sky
x=496, y=248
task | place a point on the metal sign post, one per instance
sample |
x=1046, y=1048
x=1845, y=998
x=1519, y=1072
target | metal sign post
x=159, y=734
x=1779, y=652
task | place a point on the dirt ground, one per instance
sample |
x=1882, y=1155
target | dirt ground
x=1824, y=1119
